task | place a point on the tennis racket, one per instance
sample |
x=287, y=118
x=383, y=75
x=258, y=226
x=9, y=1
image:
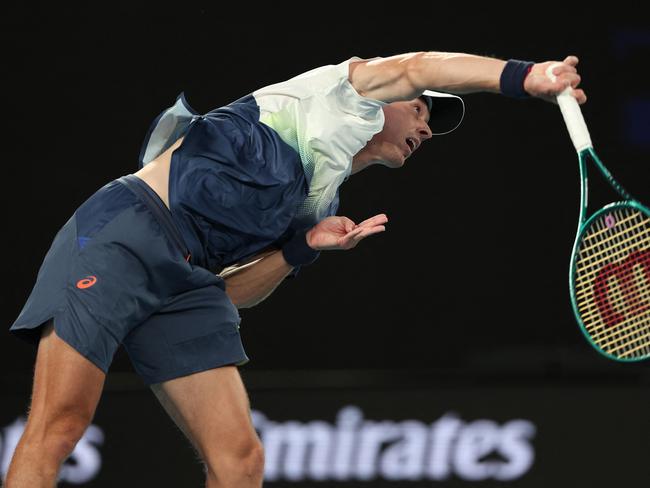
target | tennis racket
x=609, y=273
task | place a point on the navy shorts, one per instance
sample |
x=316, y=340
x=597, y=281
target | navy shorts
x=118, y=273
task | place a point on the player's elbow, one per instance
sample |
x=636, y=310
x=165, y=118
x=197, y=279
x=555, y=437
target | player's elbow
x=237, y=295
x=244, y=300
x=415, y=72
x=433, y=70
x=247, y=303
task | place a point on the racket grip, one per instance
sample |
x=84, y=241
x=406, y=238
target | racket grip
x=572, y=114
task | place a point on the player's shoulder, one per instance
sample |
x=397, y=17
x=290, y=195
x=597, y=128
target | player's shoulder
x=319, y=79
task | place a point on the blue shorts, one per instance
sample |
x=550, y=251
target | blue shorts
x=118, y=273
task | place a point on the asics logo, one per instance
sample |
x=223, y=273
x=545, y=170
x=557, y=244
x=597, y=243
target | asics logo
x=86, y=282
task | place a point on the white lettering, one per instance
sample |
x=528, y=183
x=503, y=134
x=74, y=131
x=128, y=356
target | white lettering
x=297, y=450
x=407, y=450
x=404, y=460
x=515, y=445
x=347, y=423
x=302, y=440
x=475, y=441
x=373, y=435
x=443, y=435
x=272, y=436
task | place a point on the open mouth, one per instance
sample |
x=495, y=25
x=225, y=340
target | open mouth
x=411, y=143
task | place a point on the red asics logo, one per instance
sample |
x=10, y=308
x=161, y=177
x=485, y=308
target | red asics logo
x=87, y=282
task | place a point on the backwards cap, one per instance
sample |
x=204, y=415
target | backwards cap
x=446, y=111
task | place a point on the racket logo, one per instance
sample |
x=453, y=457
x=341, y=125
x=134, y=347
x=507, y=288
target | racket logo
x=629, y=283
x=610, y=221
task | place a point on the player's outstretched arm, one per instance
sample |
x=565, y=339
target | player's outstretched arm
x=406, y=76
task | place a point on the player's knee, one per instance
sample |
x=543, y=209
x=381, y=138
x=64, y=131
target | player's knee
x=250, y=463
x=244, y=462
x=255, y=461
x=66, y=433
x=57, y=437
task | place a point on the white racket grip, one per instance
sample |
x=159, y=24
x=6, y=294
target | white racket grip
x=572, y=114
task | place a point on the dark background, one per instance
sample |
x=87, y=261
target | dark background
x=468, y=286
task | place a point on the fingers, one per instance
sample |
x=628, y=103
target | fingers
x=580, y=96
x=572, y=80
x=351, y=239
x=369, y=231
x=376, y=220
x=354, y=233
x=561, y=69
x=567, y=75
x=549, y=84
x=571, y=60
x=569, y=79
x=348, y=224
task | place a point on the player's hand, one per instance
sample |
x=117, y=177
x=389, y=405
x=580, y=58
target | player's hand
x=336, y=233
x=537, y=83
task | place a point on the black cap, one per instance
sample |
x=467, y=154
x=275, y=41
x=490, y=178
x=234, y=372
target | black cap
x=446, y=111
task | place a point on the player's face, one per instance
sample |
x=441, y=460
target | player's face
x=405, y=128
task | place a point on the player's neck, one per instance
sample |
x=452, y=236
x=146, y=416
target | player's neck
x=363, y=159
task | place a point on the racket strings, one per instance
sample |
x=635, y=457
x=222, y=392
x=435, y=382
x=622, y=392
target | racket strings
x=621, y=296
x=589, y=268
x=590, y=259
x=617, y=295
x=605, y=254
x=612, y=285
x=598, y=233
x=627, y=331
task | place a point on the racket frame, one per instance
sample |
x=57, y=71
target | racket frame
x=584, y=223
x=579, y=134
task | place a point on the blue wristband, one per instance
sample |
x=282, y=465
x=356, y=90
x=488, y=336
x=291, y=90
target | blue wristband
x=512, y=78
x=297, y=252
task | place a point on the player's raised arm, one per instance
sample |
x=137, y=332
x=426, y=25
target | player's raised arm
x=406, y=76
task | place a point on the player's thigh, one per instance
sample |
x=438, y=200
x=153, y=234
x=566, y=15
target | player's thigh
x=213, y=409
x=67, y=386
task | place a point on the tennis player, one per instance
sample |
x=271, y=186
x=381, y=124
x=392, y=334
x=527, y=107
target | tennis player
x=225, y=206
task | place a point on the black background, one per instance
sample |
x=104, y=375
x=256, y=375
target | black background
x=474, y=260
x=470, y=280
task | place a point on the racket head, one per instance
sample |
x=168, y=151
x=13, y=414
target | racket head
x=610, y=280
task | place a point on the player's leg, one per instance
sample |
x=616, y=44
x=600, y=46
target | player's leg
x=213, y=410
x=108, y=269
x=66, y=390
x=188, y=352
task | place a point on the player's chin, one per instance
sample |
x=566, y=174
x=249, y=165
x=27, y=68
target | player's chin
x=396, y=161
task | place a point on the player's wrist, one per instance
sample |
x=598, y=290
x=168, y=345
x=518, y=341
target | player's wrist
x=298, y=252
x=511, y=82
